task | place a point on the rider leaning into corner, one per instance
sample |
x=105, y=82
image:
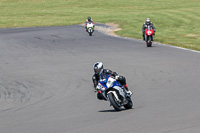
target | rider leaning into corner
x=89, y=19
x=101, y=73
x=148, y=22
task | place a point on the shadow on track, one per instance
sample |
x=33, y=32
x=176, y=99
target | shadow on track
x=112, y=110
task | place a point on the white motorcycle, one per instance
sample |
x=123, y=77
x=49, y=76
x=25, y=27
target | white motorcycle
x=90, y=28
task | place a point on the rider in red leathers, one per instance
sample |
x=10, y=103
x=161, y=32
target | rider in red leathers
x=148, y=22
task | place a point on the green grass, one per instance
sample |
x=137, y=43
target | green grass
x=176, y=21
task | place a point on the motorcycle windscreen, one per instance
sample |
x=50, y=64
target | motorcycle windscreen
x=148, y=27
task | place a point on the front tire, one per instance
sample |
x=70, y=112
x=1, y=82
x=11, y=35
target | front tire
x=113, y=102
x=129, y=105
x=149, y=42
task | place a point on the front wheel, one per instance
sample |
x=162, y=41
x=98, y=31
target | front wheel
x=129, y=105
x=113, y=102
x=90, y=33
x=149, y=42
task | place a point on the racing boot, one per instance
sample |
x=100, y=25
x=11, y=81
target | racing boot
x=86, y=29
x=100, y=96
x=143, y=37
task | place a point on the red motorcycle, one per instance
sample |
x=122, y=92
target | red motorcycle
x=149, y=35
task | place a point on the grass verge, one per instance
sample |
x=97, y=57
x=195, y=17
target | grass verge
x=176, y=21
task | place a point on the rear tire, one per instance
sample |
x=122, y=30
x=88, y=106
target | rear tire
x=114, y=102
x=90, y=34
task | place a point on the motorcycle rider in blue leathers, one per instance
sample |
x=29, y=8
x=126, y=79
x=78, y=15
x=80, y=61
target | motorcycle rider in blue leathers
x=101, y=73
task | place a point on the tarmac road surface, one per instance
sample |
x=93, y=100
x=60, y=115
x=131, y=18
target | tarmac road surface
x=46, y=85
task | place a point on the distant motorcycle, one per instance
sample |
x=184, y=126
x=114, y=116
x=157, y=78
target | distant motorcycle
x=149, y=36
x=114, y=92
x=90, y=28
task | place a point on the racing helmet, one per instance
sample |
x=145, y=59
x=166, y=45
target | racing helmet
x=98, y=68
x=89, y=19
x=148, y=20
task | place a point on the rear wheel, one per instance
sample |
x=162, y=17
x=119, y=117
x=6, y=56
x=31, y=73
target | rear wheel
x=90, y=33
x=114, y=103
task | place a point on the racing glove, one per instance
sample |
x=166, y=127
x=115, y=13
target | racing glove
x=117, y=77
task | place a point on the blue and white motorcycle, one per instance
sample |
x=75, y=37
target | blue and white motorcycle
x=114, y=92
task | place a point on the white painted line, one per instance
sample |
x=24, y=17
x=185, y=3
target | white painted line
x=178, y=47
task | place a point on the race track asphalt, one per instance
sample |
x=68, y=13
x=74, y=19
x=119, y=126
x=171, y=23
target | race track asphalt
x=46, y=85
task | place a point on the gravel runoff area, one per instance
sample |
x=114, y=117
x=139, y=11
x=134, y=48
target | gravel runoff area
x=107, y=28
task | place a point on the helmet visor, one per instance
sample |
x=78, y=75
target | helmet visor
x=97, y=71
x=148, y=20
